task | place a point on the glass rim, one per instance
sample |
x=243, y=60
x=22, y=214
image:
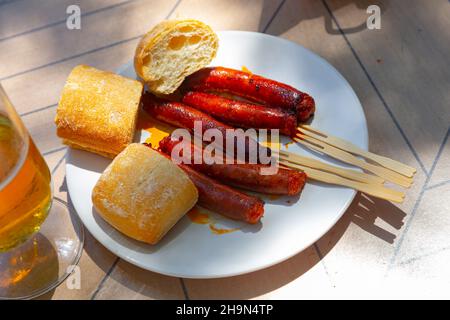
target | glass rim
x=7, y=105
x=7, y=108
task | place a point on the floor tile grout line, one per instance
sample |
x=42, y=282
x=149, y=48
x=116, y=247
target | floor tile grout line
x=83, y=53
x=118, y=259
x=319, y=253
x=437, y=185
x=416, y=205
x=55, y=23
x=46, y=153
x=440, y=151
x=277, y=10
x=173, y=9
x=71, y=57
x=377, y=91
x=38, y=110
x=60, y=161
x=399, y=243
x=428, y=254
x=185, y=291
x=106, y=276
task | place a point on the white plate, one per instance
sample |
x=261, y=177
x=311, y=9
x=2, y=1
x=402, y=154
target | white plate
x=191, y=250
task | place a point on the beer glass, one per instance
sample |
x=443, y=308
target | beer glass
x=40, y=240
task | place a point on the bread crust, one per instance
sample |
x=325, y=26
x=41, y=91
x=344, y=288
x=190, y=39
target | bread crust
x=143, y=194
x=98, y=110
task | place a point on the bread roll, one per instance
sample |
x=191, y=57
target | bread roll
x=171, y=51
x=97, y=111
x=143, y=194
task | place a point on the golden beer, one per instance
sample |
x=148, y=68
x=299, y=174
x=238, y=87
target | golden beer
x=25, y=186
x=28, y=212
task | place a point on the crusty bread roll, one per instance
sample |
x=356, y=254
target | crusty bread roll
x=171, y=51
x=97, y=111
x=143, y=194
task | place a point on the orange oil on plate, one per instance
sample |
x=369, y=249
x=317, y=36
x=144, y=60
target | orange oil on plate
x=216, y=230
x=155, y=128
x=199, y=217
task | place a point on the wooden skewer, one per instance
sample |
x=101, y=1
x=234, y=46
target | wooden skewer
x=344, y=156
x=375, y=190
x=316, y=164
x=350, y=147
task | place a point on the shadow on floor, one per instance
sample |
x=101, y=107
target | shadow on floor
x=305, y=13
x=364, y=212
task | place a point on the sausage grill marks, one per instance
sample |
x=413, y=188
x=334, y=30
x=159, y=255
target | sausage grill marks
x=272, y=93
x=246, y=176
x=183, y=116
x=243, y=114
x=283, y=107
x=222, y=199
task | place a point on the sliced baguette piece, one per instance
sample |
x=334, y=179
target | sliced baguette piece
x=171, y=51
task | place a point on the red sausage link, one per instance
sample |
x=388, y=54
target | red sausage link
x=246, y=176
x=224, y=200
x=273, y=93
x=179, y=114
x=184, y=116
x=242, y=114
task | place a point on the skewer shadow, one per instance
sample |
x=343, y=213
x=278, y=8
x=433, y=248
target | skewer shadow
x=364, y=211
x=369, y=209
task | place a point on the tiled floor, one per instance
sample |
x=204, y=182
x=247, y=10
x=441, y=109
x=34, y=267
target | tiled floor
x=400, y=73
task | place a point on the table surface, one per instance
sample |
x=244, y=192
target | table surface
x=400, y=73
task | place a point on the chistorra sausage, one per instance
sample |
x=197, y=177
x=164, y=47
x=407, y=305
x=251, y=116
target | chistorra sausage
x=224, y=200
x=184, y=116
x=270, y=92
x=242, y=114
x=245, y=176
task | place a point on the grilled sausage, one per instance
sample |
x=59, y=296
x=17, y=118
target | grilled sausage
x=270, y=92
x=242, y=114
x=246, y=176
